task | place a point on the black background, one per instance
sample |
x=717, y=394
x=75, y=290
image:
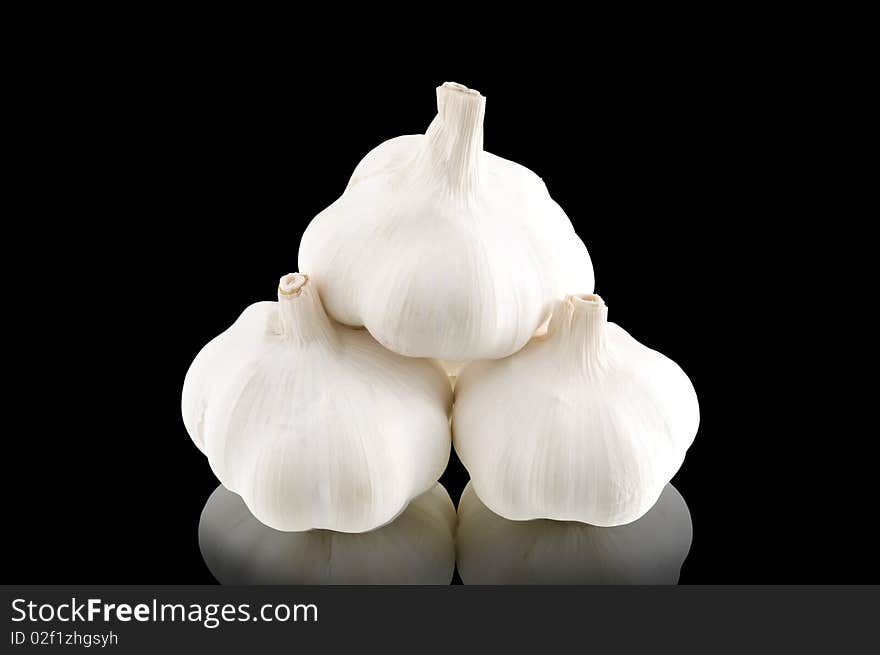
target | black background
x=166, y=187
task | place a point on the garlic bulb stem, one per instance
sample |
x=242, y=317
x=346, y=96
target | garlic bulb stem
x=454, y=139
x=584, y=319
x=301, y=314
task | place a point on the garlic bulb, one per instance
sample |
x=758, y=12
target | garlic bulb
x=416, y=548
x=494, y=550
x=441, y=249
x=583, y=424
x=315, y=424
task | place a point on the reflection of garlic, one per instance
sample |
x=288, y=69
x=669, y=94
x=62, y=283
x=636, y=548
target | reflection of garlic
x=441, y=249
x=583, y=424
x=416, y=548
x=494, y=550
x=315, y=424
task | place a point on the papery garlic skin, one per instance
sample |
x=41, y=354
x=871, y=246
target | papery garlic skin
x=583, y=424
x=441, y=249
x=415, y=548
x=315, y=424
x=493, y=550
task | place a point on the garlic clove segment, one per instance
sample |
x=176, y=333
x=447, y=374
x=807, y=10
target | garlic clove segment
x=583, y=424
x=441, y=249
x=494, y=550
x=416, y=548
x=315, y=424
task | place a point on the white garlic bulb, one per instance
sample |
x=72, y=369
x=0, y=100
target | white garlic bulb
x=441, y=249
x=315, y=424
x=583, y=424
x=415, y=548
x=494, y=550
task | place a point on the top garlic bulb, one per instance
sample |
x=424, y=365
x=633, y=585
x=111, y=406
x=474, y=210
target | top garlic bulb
x=441, y=249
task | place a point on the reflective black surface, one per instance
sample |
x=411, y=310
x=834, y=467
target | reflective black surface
x=494, y=550
x=416, y=548
x=427, y=540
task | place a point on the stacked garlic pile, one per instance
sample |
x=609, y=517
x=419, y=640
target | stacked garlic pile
x=325, y=409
